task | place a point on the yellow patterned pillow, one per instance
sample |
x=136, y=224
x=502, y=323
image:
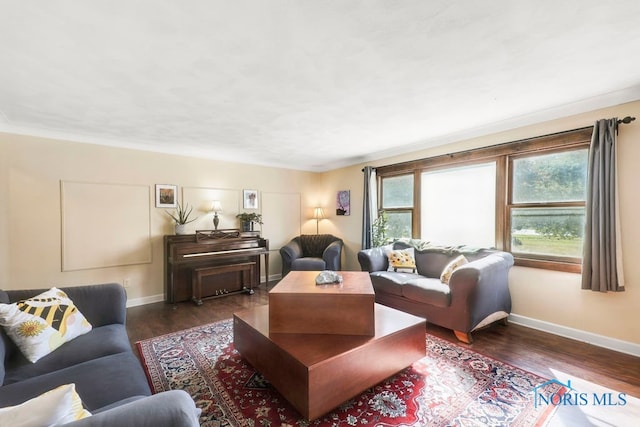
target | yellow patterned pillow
x=58, y=406
x=43, y=323
x=402, y=260
x=451, y=267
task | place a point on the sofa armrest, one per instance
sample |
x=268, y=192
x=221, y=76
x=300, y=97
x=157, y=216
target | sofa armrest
x=374, y=259
x=332, y=255
x=290, y=252
x=169, y=408
x=103, y=304
x=479, y=289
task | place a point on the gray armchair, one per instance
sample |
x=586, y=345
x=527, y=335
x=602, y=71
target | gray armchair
x=311, y=252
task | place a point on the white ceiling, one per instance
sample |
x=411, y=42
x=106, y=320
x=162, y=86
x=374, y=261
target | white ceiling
x=307, y=84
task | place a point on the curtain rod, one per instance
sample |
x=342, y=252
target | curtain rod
x=624, y=121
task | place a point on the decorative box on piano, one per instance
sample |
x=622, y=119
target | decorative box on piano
x=213, y=263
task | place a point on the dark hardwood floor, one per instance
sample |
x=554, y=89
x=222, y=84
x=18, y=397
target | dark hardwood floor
x=526, y=348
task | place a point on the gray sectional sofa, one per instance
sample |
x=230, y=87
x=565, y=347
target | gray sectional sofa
x=477, y=293
x=108, y=376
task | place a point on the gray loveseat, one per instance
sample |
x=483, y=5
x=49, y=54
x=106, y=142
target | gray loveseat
x=477, y=293
x=108, y=376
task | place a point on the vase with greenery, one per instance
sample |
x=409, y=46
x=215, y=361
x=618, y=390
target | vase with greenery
x=181, y=217
x=248, y=219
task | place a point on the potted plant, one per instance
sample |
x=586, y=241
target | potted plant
x=247, y=219
x=379, y=229
x=181, y=217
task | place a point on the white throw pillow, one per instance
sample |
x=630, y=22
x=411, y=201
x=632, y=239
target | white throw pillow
x=56, y=407
x=445, y=276
x=41, y=324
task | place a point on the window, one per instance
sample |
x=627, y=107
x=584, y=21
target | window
x=526, y=197
x=458, y=205
x=547, y=208
x=397, y=202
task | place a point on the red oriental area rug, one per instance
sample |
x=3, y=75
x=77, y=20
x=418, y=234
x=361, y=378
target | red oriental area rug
x=451, y=386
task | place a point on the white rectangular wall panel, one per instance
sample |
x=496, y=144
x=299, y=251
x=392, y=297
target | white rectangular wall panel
x=122, y=236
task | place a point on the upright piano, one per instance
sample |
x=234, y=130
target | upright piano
x=213, y=263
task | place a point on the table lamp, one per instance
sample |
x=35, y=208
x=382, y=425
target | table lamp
x=216, y=208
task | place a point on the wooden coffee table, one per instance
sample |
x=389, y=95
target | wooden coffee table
x=298, y=305
x=316, y=372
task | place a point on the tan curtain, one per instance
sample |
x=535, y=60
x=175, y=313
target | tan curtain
x=602, y=258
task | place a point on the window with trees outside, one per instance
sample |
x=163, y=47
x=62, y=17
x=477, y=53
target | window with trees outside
x=527, y=197
x=547, y=207
x=397, y=204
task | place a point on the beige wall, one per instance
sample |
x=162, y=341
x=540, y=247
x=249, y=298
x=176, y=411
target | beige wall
x=32, y=168
x=547, y=296
x=4, y=213
x=349, y=228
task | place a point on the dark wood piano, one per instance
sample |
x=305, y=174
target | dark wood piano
x=213, y=263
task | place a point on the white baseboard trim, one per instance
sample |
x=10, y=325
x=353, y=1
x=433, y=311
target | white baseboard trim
x=144, y=300
x=275, y=277
x=577, y=334
x=134, y=302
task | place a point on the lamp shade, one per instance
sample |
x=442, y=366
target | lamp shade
x=318, y=213
x=216, y=206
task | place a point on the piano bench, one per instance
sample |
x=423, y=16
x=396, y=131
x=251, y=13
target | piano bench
x=246, y=268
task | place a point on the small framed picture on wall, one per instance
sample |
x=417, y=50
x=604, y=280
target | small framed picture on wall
x=166, y=196
x=343, y=203
x=250, y=199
